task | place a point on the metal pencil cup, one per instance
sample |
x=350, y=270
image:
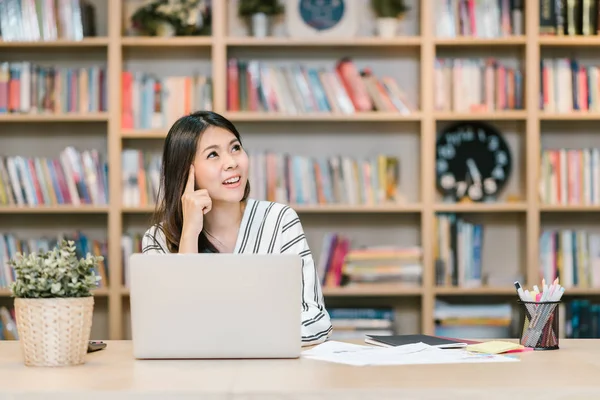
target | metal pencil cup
x=540, y=330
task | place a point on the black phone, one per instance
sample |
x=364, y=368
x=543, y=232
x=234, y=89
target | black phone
x=94, y=345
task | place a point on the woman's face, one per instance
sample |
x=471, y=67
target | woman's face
x=221, y=165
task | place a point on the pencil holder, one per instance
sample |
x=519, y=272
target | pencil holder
x=540, y=330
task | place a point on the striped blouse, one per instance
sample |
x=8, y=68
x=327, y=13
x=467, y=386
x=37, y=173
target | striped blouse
x=269, y=227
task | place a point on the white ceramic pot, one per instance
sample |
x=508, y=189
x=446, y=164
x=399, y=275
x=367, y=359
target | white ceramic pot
x=387, y=27
x=260, y=25
x=164, y=29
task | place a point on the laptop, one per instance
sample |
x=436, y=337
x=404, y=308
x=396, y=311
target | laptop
x=208, y=306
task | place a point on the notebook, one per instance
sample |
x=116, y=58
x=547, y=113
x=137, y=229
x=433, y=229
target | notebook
x=399, y=340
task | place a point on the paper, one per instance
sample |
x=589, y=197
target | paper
x=333, y=347
x=494, y=347
x=415, y=353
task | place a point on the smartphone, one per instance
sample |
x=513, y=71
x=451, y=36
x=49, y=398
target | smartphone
x=95, y=346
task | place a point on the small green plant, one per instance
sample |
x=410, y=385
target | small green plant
x=389, y=8
x=54, y=273
x=247, y=8
x=187, y=17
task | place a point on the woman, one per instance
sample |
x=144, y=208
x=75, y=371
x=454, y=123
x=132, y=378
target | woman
x=205, y=208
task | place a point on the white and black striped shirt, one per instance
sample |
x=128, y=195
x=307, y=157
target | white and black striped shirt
x=269, y=227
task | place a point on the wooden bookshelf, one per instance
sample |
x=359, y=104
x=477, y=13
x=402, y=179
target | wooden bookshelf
x=166, y=42
x=474, y=42
x=56, y=44
x=242, y=116
x=63, y=117
x=426, y=46
x=406, y=41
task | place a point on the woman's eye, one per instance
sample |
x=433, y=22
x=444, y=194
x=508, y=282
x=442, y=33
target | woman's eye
x=236, y=147
x=213, y=153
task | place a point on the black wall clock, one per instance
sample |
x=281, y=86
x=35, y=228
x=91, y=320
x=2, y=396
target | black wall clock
x=473, y=161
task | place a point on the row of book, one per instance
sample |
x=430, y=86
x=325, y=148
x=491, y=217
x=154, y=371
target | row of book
x=568, y=85
x=476, y=321
x=570, y=176
x=567, y=177
x=458, y=249
x=569, y=17
x=581, y=320
x=156, y=102
x=26, y=87
x=571, y=255
x=286, y=178
x=483, y=18
x=11, y=244
x=355, y=323
x=140, y=177
x=34, y=20
x=337, y=264
x=476, y=85
x=340, y=265
x=73, y=178
x=307, y=180
x=298, y=89
x=131, y=243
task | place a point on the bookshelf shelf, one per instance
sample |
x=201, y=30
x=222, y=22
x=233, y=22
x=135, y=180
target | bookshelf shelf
x=569, y=208
x=54, y=210
x=366, y=209
x=569, y=41
x=406, y=41
x=54, y=44
x=475, y=42
x=74, y=117
x=358, y=290
x=582, y=291
x=372, y=290
x=476, y=116
x=474, y=291
x=186, y=41
x=570, y=116
x=322, y=209
x=241, y=116
x=480, y=207
x=144, y=134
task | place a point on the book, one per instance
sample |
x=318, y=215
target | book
x=400, y=340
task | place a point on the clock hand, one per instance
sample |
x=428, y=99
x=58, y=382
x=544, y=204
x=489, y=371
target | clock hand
x=474, y=172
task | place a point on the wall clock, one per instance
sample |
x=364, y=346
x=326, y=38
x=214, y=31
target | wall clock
x=473, y=162
x=321, y=18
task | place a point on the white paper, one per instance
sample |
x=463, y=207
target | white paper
x=333, y=347
x=415, y=353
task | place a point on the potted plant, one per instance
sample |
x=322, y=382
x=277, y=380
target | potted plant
x=54, y=304
x=260, y=14
x=173, y=18
x=388, y=12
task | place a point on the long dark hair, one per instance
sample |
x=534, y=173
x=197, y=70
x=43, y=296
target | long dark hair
x=178, y=154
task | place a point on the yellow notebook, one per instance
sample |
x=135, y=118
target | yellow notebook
x=493, y=347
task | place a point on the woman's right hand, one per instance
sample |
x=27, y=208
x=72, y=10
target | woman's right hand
x=195, y=203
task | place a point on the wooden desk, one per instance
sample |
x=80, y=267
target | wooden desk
x=113, y=374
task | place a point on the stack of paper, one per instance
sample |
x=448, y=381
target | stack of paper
x=415, y=353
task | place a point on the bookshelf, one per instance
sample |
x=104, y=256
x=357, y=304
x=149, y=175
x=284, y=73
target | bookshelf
x=513, y=224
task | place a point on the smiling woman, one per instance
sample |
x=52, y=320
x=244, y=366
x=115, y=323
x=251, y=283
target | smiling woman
x=204, y=208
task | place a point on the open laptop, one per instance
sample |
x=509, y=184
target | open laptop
x=216, y=305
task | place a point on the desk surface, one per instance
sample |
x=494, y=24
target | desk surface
x=113, y=374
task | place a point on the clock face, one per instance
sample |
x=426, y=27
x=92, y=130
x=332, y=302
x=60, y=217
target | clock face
x=472, y=161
